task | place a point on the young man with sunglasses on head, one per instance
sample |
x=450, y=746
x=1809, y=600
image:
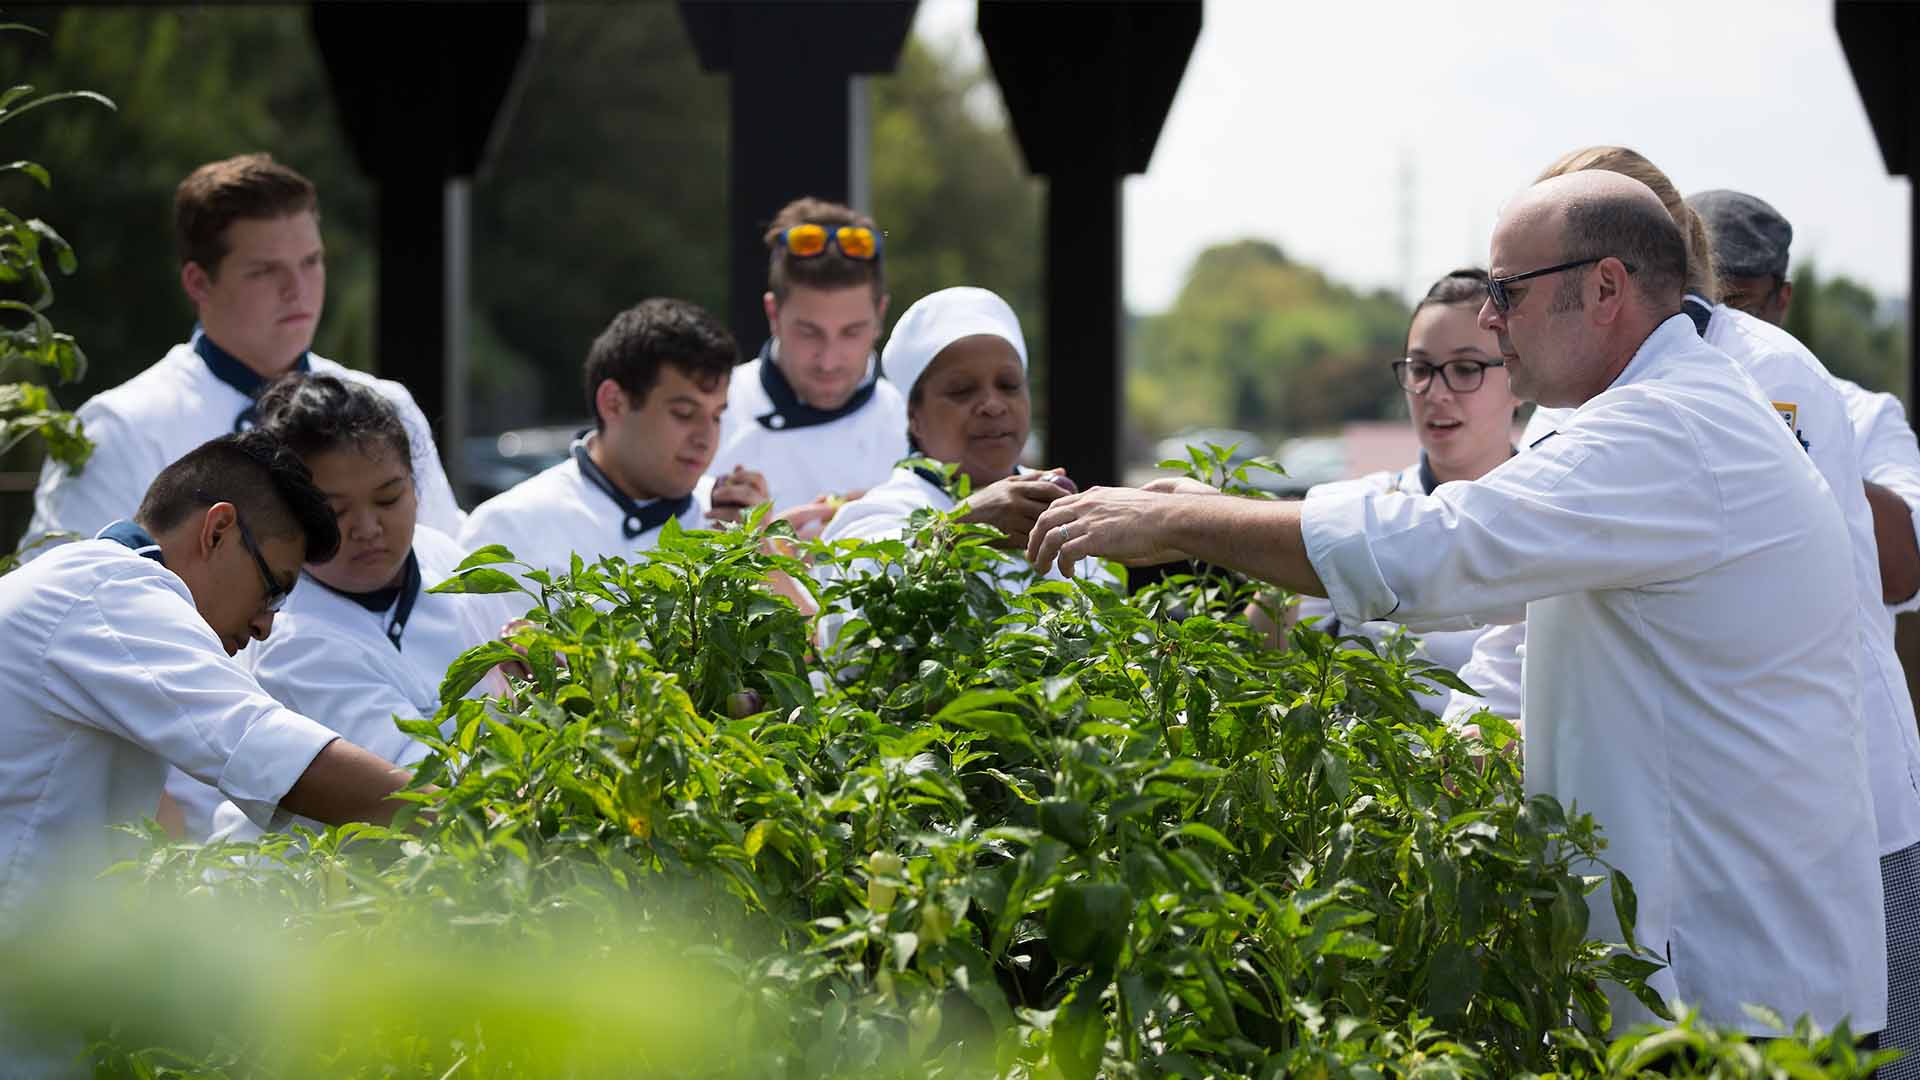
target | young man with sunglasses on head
x=252, y=263
x=812, y=412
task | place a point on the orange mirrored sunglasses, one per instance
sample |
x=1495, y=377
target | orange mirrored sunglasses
x=853, y=241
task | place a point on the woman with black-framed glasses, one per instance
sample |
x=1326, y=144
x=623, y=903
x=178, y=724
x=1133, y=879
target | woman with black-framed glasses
x=1462, y=409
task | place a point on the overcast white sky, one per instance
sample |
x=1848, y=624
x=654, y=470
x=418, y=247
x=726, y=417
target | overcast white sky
x=1294, y=119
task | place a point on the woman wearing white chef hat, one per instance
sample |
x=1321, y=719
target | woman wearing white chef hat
x=962, y=360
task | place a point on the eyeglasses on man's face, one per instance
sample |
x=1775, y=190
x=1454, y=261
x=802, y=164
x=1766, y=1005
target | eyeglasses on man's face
x=1503, y=300
x=276, y=594
x=1461, y=376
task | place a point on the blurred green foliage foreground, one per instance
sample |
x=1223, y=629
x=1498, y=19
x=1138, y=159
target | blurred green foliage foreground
x=1059, y=832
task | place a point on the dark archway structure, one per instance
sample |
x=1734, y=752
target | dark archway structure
x=423, y=92
x=1088, y=86
x=1882, y=41
x=798, y=124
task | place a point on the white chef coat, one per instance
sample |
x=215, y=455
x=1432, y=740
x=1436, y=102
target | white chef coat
x=545, y=519
x=803, y=452
x=1448, y=648
x=112, y=674
x=331, y=658
x=1889, y=455
x=1786, y=373
x=150, y=421
x=1690, y=599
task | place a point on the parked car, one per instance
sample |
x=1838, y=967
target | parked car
x=494, y=463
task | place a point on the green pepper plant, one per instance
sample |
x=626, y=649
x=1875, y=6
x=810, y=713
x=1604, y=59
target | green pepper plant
x=994, y=827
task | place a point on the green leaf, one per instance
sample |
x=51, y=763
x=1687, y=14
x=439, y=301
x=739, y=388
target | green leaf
x=480, y=579
x=492, y=553
x=472, y=666
x=1202, y=831
x=1626, y=907
x=1453, y=978
x=39, y=173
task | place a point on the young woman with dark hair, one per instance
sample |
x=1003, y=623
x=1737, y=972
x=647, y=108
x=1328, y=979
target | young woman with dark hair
x=362, y=642
x=1462, y=409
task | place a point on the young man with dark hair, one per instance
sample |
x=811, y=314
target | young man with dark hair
x=812, y=411
x=120, y=667
x=247, y=233
x=656, y=385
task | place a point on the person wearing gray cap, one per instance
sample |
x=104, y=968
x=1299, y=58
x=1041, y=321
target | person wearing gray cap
x=1750, y=241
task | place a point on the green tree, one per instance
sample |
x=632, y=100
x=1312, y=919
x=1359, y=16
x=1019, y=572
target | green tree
x=1844, y=324
x=194, y=85
x=1260, y=342
x=950, y=188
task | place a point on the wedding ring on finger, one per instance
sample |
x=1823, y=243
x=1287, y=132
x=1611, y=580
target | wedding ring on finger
x=1064, y=531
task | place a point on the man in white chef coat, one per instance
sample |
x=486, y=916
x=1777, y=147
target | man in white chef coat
x=1750, y=251
x=1685, y=576
x=121, y=664
x=813, y=412
x=656, y=383
x=252, y=263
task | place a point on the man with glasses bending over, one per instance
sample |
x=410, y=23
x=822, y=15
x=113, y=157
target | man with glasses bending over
x=812, y=413
x=1687, y=584
x=121, y=668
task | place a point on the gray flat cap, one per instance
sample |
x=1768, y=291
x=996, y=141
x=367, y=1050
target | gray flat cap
x=1750, y=238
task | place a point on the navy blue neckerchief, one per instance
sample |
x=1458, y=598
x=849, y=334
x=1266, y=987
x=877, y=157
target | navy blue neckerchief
x=228, y=369
x=1697, y=309
x=789, y=412
x=938, y=481
x=134, y=537
x=397, y=598
x=641, y=518
x=1428, y=481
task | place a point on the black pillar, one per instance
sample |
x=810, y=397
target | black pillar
x=1085, y=336
x=1881, y=38
x=791, y=63
x=1087, y=86
x=423, y=90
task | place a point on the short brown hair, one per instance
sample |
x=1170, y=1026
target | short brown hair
x=217, y=194
x=829, y=269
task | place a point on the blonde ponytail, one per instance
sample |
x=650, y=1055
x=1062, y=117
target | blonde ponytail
x=1693, y=229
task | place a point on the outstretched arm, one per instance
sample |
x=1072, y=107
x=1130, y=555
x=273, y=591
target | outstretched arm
x=1254, y=536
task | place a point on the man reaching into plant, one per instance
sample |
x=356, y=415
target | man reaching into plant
x=253, y=265
x=1655, y=541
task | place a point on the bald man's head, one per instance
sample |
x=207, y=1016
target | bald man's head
x=1585, y=266
x=1597, y=212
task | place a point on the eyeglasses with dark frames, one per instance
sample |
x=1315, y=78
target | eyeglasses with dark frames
x=276, y=595
x=1460, y=376
x=1503, y=301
